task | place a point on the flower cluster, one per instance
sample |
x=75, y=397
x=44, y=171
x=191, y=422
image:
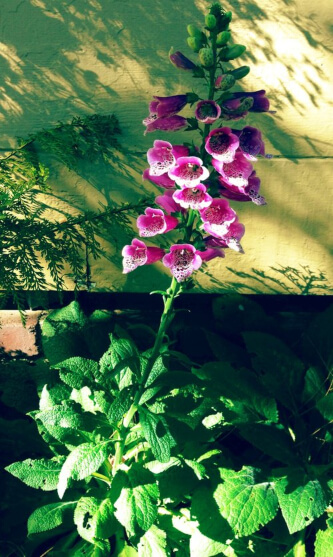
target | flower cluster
x=199, y=181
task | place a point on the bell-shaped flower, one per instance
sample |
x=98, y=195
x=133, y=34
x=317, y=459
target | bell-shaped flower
x=154, y=221
x=217, y=218
x=260, y=101
x=180, y=61
x=248, y=193
x=160, y=158
x=167, y=202
x=169, y=124
x=210, y=253
x=207, y=112
x=250, y=142
x=236, y=172
x=235, y=109
x=182, y=260
x=222, y=144
x=188, y=172
x=167, y=106
x=138, y=254
x=163, y=181
x=193, y=198
x=230, y=240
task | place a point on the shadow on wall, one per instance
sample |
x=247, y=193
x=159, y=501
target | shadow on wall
x=63, y=58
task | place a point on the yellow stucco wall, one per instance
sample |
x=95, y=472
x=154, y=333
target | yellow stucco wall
x=60, y=58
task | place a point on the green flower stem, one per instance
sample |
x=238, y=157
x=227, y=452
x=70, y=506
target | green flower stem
x=165, y=320
x=211, y=92
x=167, y=314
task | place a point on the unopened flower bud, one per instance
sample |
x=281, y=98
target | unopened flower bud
x=222, y=38
x=194, y=43
x=194, y=31
x=206, y=57
x=232, y=52
x=225, y=82
x=241, y=72
x=210, y=21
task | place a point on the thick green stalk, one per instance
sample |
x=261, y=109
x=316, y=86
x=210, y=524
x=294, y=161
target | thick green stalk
x=165, y=319
x=168, y=303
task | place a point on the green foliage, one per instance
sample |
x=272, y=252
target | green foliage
x=229, y=457
x=32, y=241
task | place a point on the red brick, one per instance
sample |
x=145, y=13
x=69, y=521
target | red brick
x=17, y=339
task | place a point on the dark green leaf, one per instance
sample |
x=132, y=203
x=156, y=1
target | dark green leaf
x=314, y=385
x=40, y=474
x=94, y=518
x=153, y=543
x=324, y=543
x=325, y=406
x=135, y=495
x=78, y=372
x=239, y=384
x=156, y=432
x=301, y=498
x=279, y=369
x=120, y=405
x=81, y=462
x=245, y=501
x=49, y=517
x=271, y=440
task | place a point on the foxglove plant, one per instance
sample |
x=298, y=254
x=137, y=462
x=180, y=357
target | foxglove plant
x=200, y=178
x=136, y=434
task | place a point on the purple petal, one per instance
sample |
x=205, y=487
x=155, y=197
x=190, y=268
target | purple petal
x=172, y=123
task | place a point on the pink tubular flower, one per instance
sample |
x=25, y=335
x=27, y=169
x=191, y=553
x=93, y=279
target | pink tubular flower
x=138, y=254
x=171, y=123
x=235, y=173
x=207, y=112
x=154, y=221
x=167, y=106
x=193, y=198
x=160, y=158
x=260, y=101
x=163, y=181
x=182, y=260
x=180, y=61
x=250, y=142
x=230, y=240
x=167, y=202
x=248, y=193
x=211, y=253
x=222, y=144
x=217, y=218
x=188, y=172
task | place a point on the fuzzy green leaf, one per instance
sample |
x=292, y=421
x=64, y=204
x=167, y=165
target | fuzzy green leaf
x=120, y=405
x=53, y=395
x=94, y=518
x=271, y=440
x=153, y=543
x=81, y=462
x=49, y=517
x=203, y=546
x=325, y=406
x=278, y=367
x=77, y=372
x=157, y=369
x=120, y=362
x=39, y=474
x=301, y=499
x=324, y=542
x=244, y=502
x=135, y=495
x=239, y=385
x=156, y=432
x=213, y=527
